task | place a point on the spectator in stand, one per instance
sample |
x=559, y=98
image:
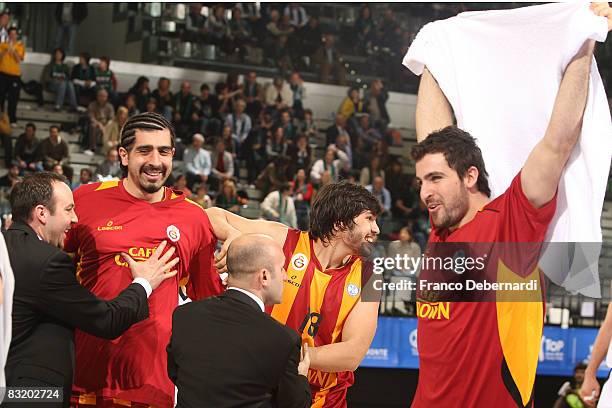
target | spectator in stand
x=85, y=177
x=338, y=128
x=296, y=14
x=218, y=29
x=239, y=32
x=231, y=145
x=101, y=113
x=110, y=168
x=54, y=151
x=11, y=178
x=307, y=125
x=276, y=145
x=343, y=143
x=278, y=206
x=329, y=164
x=130, y=105
x=329, y=60
x=226, y=98
x=378, y=189
x=351, y=105
x=239, y=123
x=387, y=32
x=105, y=79
x=309, y=38
x=5, y=19
x=141, y=92
x=365, y=28
x=301, y=191
x=402, y=196
x=360, y=156
x=278, y=97
x=300, y=154
x=228, y=197
x=375, y=169
x=207, y=110
x=275, y=28
x=151, y=105
x=253, y=94
x=296, y=83
x=68, y=16
x=197, y=162
x=233, y=82
x=403, y=248
x=366, y=132
x=289, y=129
x=163, y=96
x=181, y=185
x=83, y=77
x=279, y=54
x=274, y=175
x=56, y=77
x=222, y=165
x=26, y=150
x=110, y=137
x=255, y=146
x=376, y=105
x=201, y=196
x=12, y=53
x=195, y=24
x=569, y=393
x=183, y=108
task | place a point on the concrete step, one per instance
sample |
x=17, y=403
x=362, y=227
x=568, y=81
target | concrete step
x=82, y=158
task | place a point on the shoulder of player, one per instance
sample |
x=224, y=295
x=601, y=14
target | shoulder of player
x=86, y=190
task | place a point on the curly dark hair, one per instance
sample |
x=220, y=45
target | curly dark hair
x=335, y=208
x=460, y=151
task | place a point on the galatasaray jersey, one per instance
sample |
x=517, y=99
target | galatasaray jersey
x=133, y=366
x=485, y=354
x=316, y=304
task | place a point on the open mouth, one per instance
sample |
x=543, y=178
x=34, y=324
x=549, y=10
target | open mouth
x=433, y=206
x=152, y=174
x=369, y=239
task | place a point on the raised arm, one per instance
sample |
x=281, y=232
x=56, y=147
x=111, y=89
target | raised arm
x=433, y=111
x=357, y=335
x=600, y=349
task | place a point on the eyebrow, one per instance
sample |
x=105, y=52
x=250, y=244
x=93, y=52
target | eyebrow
x=428, y=176
x=151, y=147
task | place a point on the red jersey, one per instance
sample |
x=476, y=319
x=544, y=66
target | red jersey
x=485, y=354
x=316, y=303
x=133, y=366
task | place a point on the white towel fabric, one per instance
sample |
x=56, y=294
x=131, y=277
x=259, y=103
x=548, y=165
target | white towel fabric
x=6, y=308
x=500, y=71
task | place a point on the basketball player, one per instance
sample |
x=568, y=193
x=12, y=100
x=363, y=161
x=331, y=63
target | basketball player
x=134, y=215
x=486, y=354
x=589, y=392
x=321, y=298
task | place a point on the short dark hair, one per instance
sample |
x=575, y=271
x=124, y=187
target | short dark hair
x=13, y=28
x=203, y=87
x=30, y=124
x=61, y=51
x=335, y=208
x=86, y=56
x=54, y=127
x=35, y=189
x=580, y=366
x=460, y=151
x=105, y=59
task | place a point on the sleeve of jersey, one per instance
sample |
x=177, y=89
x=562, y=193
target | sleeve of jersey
x=522, y=229
x=204, y=280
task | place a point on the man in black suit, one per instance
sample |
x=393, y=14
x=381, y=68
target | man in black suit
x=225, y=351
x=48, y=301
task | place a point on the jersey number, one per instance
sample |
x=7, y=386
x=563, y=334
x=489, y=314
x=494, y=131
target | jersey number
x=315, y=321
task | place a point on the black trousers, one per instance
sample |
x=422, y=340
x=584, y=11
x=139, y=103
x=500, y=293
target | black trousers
x=10, y=86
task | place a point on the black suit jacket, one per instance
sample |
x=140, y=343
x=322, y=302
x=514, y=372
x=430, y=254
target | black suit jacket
x=225, y=352
x=48, y=303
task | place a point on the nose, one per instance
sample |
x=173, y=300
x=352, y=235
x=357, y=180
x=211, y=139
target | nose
x=375, y=228
x=426, y=192
x=73, y=217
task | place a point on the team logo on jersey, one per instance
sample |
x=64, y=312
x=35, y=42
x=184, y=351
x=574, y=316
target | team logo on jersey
x=110, y=227
x=299, y=262
x=173, y=233
x=352, y=289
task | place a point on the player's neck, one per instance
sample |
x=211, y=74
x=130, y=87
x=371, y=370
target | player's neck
x=136, y=192
x=477, y=202
x=332, y=255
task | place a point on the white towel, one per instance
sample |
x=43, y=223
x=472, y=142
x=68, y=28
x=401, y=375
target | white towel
x=6, y=308
x=500, y=71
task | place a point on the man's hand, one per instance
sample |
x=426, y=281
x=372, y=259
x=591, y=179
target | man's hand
x=304, y=361
x=603, y=10
x=590, y=388
x=221, y=257
x=155, y=269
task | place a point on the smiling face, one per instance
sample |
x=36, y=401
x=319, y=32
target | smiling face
x=443, y=192
x=149, y=162
x=361, y=236
x=58, y=223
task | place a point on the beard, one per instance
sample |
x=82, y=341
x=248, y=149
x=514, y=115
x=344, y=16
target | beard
x=152, y=187
x=359, y=246
x=452, y=214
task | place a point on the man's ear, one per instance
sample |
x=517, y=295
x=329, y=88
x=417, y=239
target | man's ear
x=123, y=156
x=471, y=177
x=40, y=213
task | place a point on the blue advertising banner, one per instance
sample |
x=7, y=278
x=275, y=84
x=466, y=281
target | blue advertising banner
x=395, y=346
